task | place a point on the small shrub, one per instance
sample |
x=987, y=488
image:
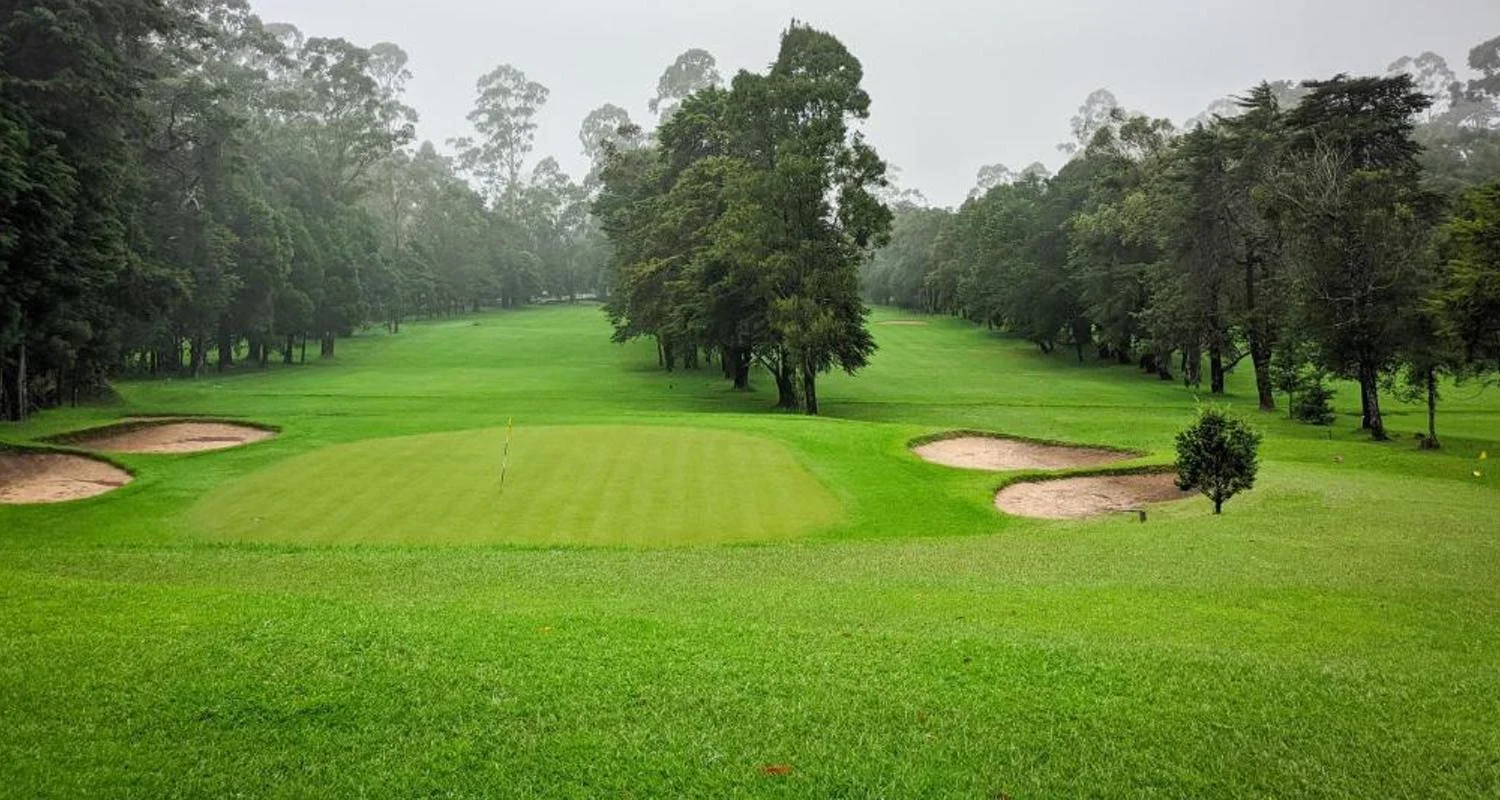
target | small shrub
x=1218, y=455
x=1313, y=404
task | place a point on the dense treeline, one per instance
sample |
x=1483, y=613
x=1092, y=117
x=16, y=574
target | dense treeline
x=738, y=232
x=182, y=184
x=1306, y=230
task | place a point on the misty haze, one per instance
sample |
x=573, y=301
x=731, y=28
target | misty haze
x=823, y=399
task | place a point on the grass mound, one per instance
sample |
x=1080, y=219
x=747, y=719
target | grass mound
x=565, y=485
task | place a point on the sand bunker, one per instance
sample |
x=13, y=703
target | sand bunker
x=904, y=322
x=993, y=453
x=170, y=437
x=1075, y=498
x=55, y=477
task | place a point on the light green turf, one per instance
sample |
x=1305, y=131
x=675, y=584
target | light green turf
x=582, y=485
x=1335, y=634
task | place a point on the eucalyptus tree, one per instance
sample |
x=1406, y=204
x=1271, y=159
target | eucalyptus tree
x=504, y=120
x=1099, y=110
x=692, y=72
x=608, y=126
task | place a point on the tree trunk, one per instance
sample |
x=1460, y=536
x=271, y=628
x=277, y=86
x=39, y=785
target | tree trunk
x=291, y=346
x=22, y=400
x=1192, y=365
x=1260, y=356
x=303, y=358
x=197, y=354
x=1216, y=369
x=1369, y=391
x=1259, y=338
x=1431, y=442
x=669, y=355
x=326, y=345
x=742, y=370
x=810, y=391
x=786, y=386
x=1218, y=506
x=226, y=351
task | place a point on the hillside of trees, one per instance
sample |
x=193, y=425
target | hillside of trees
x=184, y=187
x=1347, y=227
x=183, y=184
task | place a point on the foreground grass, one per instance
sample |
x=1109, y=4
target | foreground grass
x=1334, y=635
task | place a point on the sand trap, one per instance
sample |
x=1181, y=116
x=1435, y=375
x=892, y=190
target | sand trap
x=1075, y=498
x=904, y=322
x=170, y=437
x=55, y=477
x=994, y=453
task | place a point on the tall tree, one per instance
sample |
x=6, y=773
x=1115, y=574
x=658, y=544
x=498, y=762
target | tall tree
x=693, y=71
x=504, y=120
x=1359, y=219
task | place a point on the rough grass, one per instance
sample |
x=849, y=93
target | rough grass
x=1335, y=634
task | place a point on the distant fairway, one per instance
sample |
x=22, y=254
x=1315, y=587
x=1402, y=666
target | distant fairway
x=594, y=485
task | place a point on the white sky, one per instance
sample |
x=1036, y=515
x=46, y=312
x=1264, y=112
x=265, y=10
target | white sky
x=955, y=85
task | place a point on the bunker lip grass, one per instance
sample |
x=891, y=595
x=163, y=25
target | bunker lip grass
x=1000, y=453
x=30, y=477
x=168, y=435
x=1088, y=496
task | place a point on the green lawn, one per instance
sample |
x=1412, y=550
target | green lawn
x=354, y=608
x=586, y=484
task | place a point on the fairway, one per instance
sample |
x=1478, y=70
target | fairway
x=592, y=485
x=679, y=589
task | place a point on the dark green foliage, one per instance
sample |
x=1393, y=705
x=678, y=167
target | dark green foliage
x=742, y=231
x=1218, y=455
x=182, y=185
x=1312, y=403
x=1294, y=236
x=1467, y=302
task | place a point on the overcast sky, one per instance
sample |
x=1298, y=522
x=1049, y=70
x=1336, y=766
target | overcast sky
x=955, y=85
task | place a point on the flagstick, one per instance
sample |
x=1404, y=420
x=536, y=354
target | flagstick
x=505, y=459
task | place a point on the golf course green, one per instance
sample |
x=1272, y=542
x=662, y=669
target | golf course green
x=678, y=592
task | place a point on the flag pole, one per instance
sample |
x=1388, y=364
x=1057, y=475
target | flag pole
x=505, y=457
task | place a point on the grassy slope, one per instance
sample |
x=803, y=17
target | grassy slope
x=1335, y=634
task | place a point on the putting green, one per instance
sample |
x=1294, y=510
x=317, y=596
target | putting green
x=571, y=485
